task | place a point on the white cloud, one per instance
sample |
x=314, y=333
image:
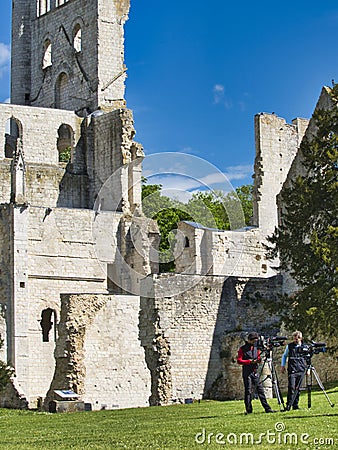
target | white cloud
x=182, y=174
x=5, y=57
x=178, y=185
x=5, y=53
x=218, y=93
x=219, y=96
x=239, y=172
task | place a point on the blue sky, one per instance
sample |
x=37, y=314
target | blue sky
x=199, y=71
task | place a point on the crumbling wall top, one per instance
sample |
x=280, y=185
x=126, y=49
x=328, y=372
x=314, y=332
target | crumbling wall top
x=122, y=8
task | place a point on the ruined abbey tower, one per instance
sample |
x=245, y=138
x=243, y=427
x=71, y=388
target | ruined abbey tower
x=64, y=135
x=82, y=305
x=69, y=54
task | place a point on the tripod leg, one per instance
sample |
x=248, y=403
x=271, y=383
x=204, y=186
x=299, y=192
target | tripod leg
x=275, y=385
x=260, y=372
x=320, y=384
x=259, y=380
x=309, y=386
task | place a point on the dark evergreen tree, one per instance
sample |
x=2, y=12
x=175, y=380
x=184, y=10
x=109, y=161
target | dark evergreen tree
x=307, y=239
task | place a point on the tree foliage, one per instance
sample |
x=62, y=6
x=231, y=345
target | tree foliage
x=6, y=372
x=210, y=209
x=65, y=155
x=307, y=239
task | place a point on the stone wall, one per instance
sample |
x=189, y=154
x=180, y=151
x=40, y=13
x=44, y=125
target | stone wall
x=53, y=251
x=102, y=149
x=111, y=136
x=277, y=143
x=38, y=130
x=191, y=339
x=202, y=251
x=46, y=180
x=21, y=51
x=188, y=324
x=99, y=354
x=50, y=247
x=79, y=79
x=242, y=252
x=183, y=334
x=5, y=285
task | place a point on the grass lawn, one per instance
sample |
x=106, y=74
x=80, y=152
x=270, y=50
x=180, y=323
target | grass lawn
x=177, y=427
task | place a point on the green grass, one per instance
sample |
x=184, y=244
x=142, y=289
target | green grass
x=173, y=427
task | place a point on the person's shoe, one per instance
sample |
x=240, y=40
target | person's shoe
x=270, y=411
x=295, y=407
x=248, y=412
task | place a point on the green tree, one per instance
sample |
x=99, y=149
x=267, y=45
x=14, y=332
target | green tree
x=6, y=372
x=167, y=212
x=307, y=240
x=210, y=209
x=216, y=209
x=244, y=195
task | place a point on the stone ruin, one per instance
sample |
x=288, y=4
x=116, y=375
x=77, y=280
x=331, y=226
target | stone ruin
x=82, y=304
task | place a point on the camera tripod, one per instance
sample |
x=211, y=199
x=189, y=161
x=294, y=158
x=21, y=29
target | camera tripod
x=268, y=361
x=308, y=374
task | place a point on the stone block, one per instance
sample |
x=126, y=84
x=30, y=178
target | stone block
x=63, y=406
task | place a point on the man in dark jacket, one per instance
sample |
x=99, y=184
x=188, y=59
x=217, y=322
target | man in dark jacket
x=249, y=358
x=296, y=368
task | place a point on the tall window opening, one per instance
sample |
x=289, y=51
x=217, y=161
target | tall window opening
x=61, y=91
x=47, y=54
x=48, y=324
x=77, y=37
x=12, y=136
x=42, y=7
x=65, y=142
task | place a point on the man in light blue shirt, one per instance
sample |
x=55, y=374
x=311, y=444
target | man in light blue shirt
x=296, y=367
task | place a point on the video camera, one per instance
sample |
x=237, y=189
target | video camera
x=268, y=343
x=313, y=348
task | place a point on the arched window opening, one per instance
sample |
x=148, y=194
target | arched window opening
x=65, y=143
x=12, y=136
x=77, y=36
x=61, y=91
x=186, y=242
x=47, y=54
x=48, y=323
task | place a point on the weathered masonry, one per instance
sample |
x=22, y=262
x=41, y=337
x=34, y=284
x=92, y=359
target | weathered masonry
x=65, y=134
x=82, y=305
x=69, y=54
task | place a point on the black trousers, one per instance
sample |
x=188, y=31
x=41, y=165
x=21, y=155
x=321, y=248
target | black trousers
x=252, y=385
x=293, y=382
